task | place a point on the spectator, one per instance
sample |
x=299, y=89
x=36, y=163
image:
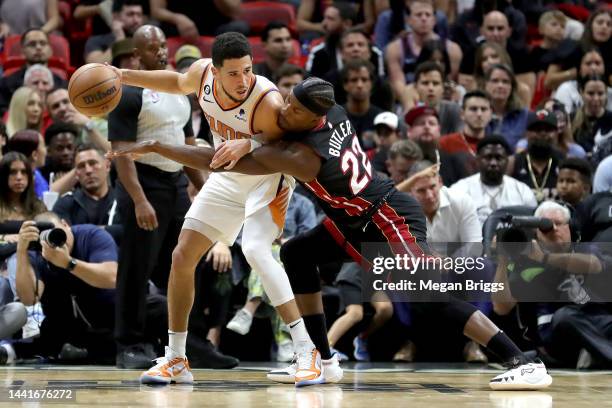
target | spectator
x=592, y=124
x=491, y=189
x=387, y=132
x=18, y=201
x=123, y=55
x=79, y=275
x=488, y=54
x=88, y=130
x=61, y=144
x=425, y=131
x=287, y=77
x=128, y=16
x=186, y=19
x=450, y=218
x=25, y=111
x=3, y=138
x=592, y=63
x=574, y=181
x=602, y=181
x=401, y=54
x=594, y=217
x=509, y=115
x=537, y=167
x=403, y=154
x=39, y=77
x=551, y=27
x=100, y=12
x=475, y=115
x=597, y=33
x=185, y=56
x=310, y=13
x=435, y=51
x=355, y=45
x=94, y=200
x=357, y=77
x=564, y=141
x=325, y=57
x=32, y=145
x=278, y=47
x=36, y=50
x=428, y=89
x=22, y=16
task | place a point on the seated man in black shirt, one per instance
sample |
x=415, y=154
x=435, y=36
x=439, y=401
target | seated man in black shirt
x=93, y=202
x=278, y=46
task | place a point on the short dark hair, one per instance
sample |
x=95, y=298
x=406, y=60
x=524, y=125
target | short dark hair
x=353, y=30
x=272, y=25
x=428, y=66
x=83, y=147
x=24, y=141
x=54, y=90
x=581, y=166
x=356, y=65
x=230, y=45
x=286, y=70
x=347, y=10
x=28, y=31
x=118, y=4
x=494, y=140
x=582, y=81
x=60, y=127
x=476, y=93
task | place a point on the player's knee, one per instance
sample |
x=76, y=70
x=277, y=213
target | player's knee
x=255, y=254
x=290, y=251
x=182, y=259
x=384, y=309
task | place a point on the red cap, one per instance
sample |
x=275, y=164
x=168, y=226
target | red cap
x=417, y=112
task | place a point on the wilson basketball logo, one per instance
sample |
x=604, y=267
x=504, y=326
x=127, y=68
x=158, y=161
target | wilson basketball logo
x=100, y=95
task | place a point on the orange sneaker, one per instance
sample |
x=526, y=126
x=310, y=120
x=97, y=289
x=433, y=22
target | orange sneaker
x=309, y=371
x=168, y=370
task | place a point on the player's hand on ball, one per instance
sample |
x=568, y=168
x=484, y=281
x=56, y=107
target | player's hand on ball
x=230, y=151
x=135, y=151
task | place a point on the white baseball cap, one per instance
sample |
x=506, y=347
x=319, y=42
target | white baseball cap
x=389, y=119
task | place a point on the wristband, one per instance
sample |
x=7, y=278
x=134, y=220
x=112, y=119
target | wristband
x=254, y=145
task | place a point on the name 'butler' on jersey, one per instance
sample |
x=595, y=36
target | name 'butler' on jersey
x=239, y=114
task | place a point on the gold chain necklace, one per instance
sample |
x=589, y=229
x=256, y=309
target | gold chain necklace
x=539, y=193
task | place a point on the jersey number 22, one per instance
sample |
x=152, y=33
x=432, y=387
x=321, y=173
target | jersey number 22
x=350, y=162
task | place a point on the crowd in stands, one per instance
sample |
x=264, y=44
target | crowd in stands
x=471, y=107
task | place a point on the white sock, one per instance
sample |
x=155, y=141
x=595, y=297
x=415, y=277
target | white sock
x=177, y=343
x=299, y=335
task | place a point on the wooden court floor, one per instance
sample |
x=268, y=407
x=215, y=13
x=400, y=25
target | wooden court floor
x=368, y=386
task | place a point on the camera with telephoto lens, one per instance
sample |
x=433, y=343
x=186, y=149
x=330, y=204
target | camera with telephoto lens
x=515, y=233
x=55, y=237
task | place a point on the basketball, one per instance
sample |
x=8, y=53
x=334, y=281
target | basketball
x=94, y=89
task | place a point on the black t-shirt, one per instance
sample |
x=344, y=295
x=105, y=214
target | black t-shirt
x=206, y=17
x=541, y=58
x=519, y=56
x=521, y=173
x=594, y=216
x=363, y=123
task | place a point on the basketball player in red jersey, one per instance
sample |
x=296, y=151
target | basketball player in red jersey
x=323, y=153
x=241, y=107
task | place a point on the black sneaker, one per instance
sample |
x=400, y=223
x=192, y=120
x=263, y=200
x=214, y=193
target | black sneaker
x=133, y=357
x=72, y=353
x=202, y=354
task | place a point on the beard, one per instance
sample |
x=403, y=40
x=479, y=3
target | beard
x=429, y=150
x=540, y=149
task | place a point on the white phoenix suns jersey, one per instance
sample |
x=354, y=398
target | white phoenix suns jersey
x=235, y=121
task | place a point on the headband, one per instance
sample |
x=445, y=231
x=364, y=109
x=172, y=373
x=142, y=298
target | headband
x=302, y=95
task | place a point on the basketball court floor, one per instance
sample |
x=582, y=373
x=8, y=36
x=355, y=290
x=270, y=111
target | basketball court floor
x=364, y=385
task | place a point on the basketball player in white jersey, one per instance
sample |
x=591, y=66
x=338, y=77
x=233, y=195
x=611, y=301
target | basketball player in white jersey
x=238, y=105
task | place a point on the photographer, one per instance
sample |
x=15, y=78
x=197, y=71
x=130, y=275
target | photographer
x=75, y=284
x=573, y=329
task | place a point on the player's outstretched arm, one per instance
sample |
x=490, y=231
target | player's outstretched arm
x=196, y=157
x=166, y=81
x=294, y=159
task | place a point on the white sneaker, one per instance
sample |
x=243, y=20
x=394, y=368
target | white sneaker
x=285, y=351
x=309, y=369
x=530, y=376
x=168, y=369
x=241, y=322
x=332, y=372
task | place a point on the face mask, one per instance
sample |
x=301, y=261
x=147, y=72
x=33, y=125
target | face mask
x=540, y=149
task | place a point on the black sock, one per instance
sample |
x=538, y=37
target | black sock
x=506, y=350
x=317, y=329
